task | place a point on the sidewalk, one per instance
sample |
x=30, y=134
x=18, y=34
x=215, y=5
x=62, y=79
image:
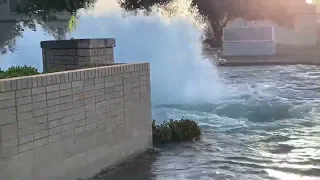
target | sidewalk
x=286, y=55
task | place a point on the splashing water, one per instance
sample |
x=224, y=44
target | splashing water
x=169, y=38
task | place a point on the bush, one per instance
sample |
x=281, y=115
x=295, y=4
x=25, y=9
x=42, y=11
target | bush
x=17, y=71
x=175, y=130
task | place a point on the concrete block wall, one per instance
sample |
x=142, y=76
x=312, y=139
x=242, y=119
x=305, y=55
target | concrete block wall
x=71, y=124
x=74, y=54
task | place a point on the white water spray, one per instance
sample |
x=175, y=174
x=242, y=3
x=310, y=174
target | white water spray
x=169, y=38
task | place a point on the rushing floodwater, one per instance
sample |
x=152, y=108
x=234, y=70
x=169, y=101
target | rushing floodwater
x=268, y=129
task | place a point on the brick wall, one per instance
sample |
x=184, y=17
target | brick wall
x=77, y=53
x=72, y=124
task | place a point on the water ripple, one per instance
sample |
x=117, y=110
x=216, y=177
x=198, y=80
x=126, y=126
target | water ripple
x=268, y=129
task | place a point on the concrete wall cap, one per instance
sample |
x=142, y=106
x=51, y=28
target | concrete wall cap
x=79, y=43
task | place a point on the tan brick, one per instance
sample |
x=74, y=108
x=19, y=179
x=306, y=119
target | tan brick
x=99, y=92
x=41, y=119
x=41, y=134
x=77, y=84
x=52, y=102
x=87, y=82
x=25, y=139
x=99, y=80
x=67, y=120
x=66, y=106
x=80, y=129
x=54, y=123
x=65, y=85
x=38, y=90
x=99, y=86
x=79, y=123
x=118, y=94
x=52, y=95
x=89, y=94
x=91, y=126
x=23, y=93
x=41, y=142
x=51, y=88
x=78, y=96
x=100, y=98
x=26, y=147
x=78, y=103
x=8, y=115
x=55, y=130
x=65, y=99
x=9, y=143
x=24, y=108
x=100, y=104
x=79, y=116
x=60, y=115
x=54, y=137
x=38, y=97
x=24, y=116
x=9, y=152
x=118, y=79
x=39, y=104
x=39, y=112
x=88, y=88
x=76, y=90
x=7, y=95
x=40, y=127
x=24, y=100
x=67, y=127
x=66, y=92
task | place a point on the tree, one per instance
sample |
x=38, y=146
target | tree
x=131, y=5
x=42, y=12
x=45, y=8
x=221, y=12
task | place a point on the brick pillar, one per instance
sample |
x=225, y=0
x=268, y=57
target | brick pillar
x=73, y=54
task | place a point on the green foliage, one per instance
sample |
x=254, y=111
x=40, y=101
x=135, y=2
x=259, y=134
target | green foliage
x=32, y=12
x=17, y=71
x=45, y=8
x=175, y=131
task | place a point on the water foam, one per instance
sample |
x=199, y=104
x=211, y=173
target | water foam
x=169, y=38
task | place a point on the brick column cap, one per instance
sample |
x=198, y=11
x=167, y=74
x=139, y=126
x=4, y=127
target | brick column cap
x=79, y=43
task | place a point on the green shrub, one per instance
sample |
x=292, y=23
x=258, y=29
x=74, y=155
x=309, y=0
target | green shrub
x=175, y=130
x=17, y=71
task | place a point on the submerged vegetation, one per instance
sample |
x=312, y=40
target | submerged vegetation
x=175, y=131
